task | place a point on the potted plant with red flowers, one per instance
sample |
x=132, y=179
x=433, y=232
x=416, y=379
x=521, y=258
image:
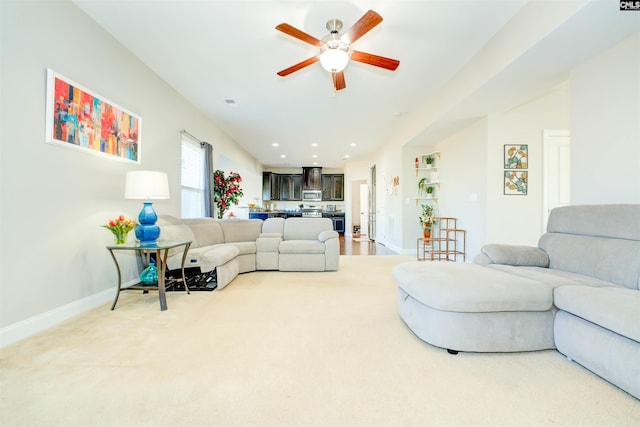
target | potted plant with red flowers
x=226, y=190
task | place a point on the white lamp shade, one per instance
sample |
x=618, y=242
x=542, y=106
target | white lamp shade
x=146, y=185
x=334, y=60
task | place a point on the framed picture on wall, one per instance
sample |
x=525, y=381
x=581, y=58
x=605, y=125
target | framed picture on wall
x=80, y=119
x=516, y=156
x=515, y=183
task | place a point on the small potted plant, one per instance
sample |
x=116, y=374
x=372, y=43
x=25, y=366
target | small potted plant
x=423, y=184
x=429, y=161
x=427, y=220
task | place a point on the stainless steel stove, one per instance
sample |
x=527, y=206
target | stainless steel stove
x=312, y=212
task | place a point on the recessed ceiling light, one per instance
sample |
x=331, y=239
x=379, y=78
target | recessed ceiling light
x=353, y=144
x=315, y=156
x=282, y=156
x=346, y=156
x=315, y=163
x=314, y=144
x=275, y=144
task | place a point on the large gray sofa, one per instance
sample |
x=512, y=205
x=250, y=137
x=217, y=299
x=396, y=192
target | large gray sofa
x=577, y=292
x=233, y=246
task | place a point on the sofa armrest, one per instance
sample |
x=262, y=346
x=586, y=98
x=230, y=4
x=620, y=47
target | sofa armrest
x=268, y=242
x=327, y=234
x=512, y=255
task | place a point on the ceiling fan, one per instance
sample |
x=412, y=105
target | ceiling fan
x=335, y=50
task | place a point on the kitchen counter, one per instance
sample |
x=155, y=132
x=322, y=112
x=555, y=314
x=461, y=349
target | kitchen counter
x=274, y=214
x=287, y=213
x=336, y=217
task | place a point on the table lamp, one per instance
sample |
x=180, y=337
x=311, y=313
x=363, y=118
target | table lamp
x=147, y=185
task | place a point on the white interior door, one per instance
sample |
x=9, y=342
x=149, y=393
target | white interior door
x=364, y=210
x=556, y=171
x=372, y=204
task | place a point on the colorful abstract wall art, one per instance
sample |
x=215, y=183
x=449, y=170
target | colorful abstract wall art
x=78, y=118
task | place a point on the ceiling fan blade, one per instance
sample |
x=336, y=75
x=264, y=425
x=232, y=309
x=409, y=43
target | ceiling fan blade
x=300, y=35
x=298, y=66
x=363, y=26
x=378, y=61
x=338, y=80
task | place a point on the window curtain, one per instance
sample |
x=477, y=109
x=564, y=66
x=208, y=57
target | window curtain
x=209, y=208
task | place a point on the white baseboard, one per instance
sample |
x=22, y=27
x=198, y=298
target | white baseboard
x=394, y=248
x=31, y=326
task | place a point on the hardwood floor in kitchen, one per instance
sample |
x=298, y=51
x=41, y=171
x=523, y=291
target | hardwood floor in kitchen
x=350, y=246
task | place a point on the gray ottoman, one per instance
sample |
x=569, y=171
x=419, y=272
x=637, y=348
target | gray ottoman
x=467, y=307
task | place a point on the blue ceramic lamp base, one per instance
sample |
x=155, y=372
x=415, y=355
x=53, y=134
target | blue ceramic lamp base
x=147, y=232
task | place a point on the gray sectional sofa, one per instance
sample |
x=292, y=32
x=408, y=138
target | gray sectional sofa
x=233, y=246
x=577, y=292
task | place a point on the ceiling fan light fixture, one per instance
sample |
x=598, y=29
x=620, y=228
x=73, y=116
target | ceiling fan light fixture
x=334, y=60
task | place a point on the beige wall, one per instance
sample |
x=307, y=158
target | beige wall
x=605, y=126
x=517, y=219
x=599, y=104
x=52, y=254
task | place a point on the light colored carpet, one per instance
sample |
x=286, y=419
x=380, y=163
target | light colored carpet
x=286, y=349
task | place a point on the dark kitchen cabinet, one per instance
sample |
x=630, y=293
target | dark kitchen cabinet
x=270, y=186
x=338, y=224
x=333, y=187
x=337, y=219
x=290, y=187
x=258, y=215
x=312, y=178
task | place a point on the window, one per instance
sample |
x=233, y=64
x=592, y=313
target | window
x=192, y=180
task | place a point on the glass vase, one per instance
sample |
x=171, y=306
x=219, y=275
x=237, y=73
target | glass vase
x=120, y=238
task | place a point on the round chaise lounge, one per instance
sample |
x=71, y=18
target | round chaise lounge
x=467, y=307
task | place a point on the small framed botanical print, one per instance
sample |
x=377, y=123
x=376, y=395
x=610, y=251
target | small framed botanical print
x=516, y=156
x=515, y=183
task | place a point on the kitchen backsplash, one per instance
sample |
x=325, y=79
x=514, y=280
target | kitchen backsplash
x=284, y=205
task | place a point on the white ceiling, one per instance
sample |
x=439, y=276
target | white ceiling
x=213, y=51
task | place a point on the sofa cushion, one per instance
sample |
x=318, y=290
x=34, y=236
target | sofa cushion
x=516, y=255
x=613, y=308
x=301, y=247
x=306, y=228
x=172, y=228
x=268, y=242
x=207, y=229
x=613, y=221
x=273, y=225
x=244, y=248
x=613, y=260
x=471, y=288
x=210, y=257
x=550, y=276
x=241, y=230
